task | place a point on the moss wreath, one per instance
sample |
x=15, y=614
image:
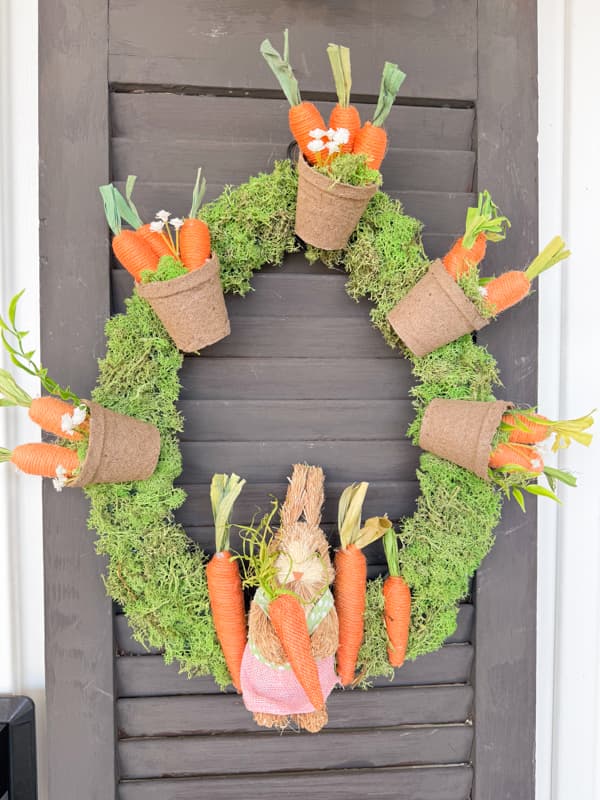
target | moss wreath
x=154, y=571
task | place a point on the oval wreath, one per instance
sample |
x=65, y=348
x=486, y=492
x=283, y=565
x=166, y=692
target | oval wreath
x=154, y=571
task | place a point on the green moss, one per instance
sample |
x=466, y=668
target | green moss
x=253, y=225
x=469, y=283
x=351, y=168
x=168, y=268
x=373, y=658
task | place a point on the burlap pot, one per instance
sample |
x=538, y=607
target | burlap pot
x=326, y=212
x=120, y=449
x=192, y=307
x=462, y=431
x=435, y=311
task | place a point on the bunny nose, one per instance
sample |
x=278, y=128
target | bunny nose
x=297, y=575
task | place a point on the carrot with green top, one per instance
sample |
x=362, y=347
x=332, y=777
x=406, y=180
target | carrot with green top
x=45, y=460
x=397, y=602
x=225, y=590
x=511, y=287
x=525, y=426
x=194, y=235
x=484, y=223
x=524, y=457
x=303, y=117
x=132, y=251
x=371, y=139
x=343, y=114
x=351, y=575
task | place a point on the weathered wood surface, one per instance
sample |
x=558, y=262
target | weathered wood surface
x=139, y=676
x=192, y=45
x=417, y=783
x=127, y=645
x=74, y=290
x=504, y=747
x=251, y=119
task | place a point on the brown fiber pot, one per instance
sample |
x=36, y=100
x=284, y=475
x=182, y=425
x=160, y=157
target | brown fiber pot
x=462, y=431
x=435, y=311
x=120, y=449
x=192, y=307
x=326, y=212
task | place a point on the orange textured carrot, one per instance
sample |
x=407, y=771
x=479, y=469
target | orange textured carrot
x=289, y=621
x=42, y=459
x=194, y=243
x=527, y=427
x=350, y=601
x=228, y=610
x=518, y=455
x=459, y=259
x=397, y=602
x=343, y=115
x=371, y=139
x=134, y=253
x=159, y=246
x=304, y=118
x=48, y=413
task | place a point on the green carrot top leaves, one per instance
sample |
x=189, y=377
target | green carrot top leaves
x=224, y=491
x=13, y=341
x=118, y=208
x=554, y=252
x=350, y=518
x=484, y=218
x=392, y=79
x=339, y=58
x=11, y=393
x=392, y=555
x=198, y=195
x=282, y=69
x=258, y=556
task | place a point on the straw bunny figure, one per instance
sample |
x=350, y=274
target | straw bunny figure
x=303, y=566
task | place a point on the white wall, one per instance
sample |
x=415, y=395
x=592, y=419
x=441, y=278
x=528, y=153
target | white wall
x=568, y=761
x=21, y=577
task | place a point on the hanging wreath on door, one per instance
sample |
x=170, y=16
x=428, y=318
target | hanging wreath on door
x=122, y=445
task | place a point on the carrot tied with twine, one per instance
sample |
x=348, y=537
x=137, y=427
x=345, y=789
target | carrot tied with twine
x=343, y=114
x=527, y=427
x=351, y=575
x=225, y=590
x=371, y=139
x=511, y=287
x=303, y=117
x=285, y=608
x=483, y=223
x=397, y=602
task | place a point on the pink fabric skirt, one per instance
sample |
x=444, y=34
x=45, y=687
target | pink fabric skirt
x=269, y=690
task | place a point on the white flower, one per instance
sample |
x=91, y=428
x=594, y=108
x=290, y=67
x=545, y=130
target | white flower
x=317, y=133
x=341, y=136
x=483, y=291
x=176, y=222
x=157, y=226
x=163, y=215
x=536, y=463
x=333, y=147
x=61, y=478
x=316, y=145
x=68, y=422
x=330, y=133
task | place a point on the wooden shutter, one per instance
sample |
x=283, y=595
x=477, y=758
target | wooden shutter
x=156, y=90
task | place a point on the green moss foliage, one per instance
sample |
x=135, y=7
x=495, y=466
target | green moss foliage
x=351, y=168
x=154, y=571
x=168, y=268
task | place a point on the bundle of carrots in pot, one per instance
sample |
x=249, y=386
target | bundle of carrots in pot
x=225, y=590
x=338, y=166
x=94, y=442
x=351, y=574
x=170, y=260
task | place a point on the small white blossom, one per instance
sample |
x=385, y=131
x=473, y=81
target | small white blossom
x=483, y=291
x=163, y=215
x=341, y=136
x=316, y=145
x=330, y=133
x=317, y=133
x=61, y=478
x=68, y=422
x=176, y=222
x=536, y=463
x=333, y=147
x=157, y=226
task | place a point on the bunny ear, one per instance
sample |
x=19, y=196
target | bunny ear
x=315, y=495
x=295, y=498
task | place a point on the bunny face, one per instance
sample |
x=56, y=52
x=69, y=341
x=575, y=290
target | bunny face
x=303, y=564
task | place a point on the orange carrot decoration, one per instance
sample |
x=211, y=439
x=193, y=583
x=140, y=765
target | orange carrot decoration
x=397, y=602
x=483, y=222
x=343, y=115
x=528, y=427
x=194, y=235
x=522, y=456
x=304, y=117
x=371, y=139
x=351, y=575
x=223, y=577
x=46, y=460
x=132, y=251
x=510, y=288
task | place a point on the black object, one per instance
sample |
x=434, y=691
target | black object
x=18, y=772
